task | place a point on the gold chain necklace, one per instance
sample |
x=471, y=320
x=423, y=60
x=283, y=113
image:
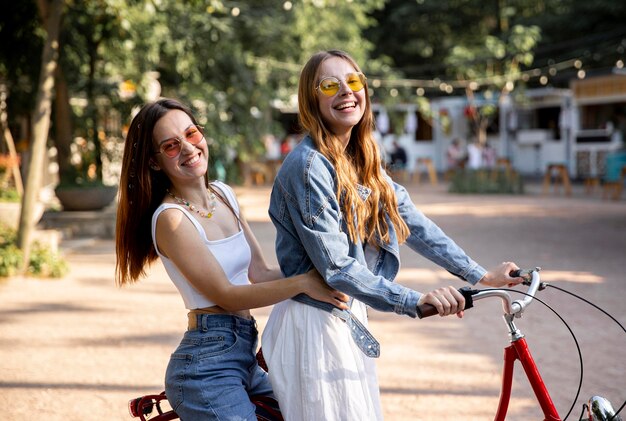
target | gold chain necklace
x=193, y=208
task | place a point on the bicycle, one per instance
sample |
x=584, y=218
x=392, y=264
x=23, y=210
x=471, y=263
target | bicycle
x=598, y=408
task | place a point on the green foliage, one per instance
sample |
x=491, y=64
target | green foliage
x=43, y=262
x=10, y=195
x=469, y=39
x=10, y=260
x=21, y=41
x=232, y=62
x=235, y=61
x=483, y=181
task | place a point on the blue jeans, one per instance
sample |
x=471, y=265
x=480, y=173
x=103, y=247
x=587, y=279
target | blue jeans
x=214, y=371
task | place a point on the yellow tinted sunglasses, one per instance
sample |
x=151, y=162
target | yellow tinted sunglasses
x=330, y=85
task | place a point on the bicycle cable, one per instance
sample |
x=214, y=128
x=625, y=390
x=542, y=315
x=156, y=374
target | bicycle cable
x=606, y=314
x=580, y=355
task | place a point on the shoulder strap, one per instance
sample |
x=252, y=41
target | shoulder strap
x=165, y=206
x=228, y=193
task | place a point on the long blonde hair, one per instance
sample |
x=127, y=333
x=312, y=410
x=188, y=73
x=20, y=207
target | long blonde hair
x=360, y=162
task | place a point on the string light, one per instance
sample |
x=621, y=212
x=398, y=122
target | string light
x=507, y=81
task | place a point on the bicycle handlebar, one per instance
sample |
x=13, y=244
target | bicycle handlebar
x=512, y=307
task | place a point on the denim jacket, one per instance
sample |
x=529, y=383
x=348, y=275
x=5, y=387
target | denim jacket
x=311, y=232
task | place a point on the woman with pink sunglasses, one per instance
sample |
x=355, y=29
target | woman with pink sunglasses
x=169, y=210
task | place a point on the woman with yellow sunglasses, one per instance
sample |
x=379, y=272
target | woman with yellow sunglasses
x=336, y=210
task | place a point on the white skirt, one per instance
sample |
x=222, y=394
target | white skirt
x=316, y=370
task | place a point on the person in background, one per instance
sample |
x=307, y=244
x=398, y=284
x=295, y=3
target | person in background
x=168, y=209
x=336, y=210
x=489, y=156
x=399, y=157
x=474, y=155
x=454, y=155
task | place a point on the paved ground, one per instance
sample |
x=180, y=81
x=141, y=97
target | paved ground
x=79, y=348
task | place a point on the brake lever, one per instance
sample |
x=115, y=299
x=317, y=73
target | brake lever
x=527, y=274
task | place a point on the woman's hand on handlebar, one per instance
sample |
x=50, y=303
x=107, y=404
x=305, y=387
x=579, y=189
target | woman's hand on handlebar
x=318, y=289
x=447, y=301
x=500, y=276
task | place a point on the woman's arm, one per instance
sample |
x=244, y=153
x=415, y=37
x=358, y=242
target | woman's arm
x=427, y=239
x=259, y=271
x=307, y=214
x=430, y=241
x=178, y=239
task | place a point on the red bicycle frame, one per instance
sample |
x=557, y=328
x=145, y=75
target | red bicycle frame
x=598, y=408
x=518, y=350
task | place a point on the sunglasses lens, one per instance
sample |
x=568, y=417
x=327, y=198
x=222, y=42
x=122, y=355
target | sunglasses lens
x=329, y=86
x=171, y=147
x=194, y=135
x=355, y=81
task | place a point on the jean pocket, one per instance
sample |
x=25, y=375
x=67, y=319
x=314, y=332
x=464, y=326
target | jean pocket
x=175, y=377
x=217, y=342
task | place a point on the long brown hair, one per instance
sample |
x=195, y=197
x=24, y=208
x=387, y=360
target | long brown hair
x=359, y=163
x=141, y=191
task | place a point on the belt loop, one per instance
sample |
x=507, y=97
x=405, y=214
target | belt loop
x=192, y=321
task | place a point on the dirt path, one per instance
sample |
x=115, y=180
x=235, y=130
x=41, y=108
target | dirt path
x=79, y=348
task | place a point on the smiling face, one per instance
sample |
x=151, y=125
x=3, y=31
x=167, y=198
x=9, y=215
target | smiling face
x=342, y=111
x=192, y=161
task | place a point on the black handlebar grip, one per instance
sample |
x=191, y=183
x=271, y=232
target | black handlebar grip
x=526, y=274
x=427, y=310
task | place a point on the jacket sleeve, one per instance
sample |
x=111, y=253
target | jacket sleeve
x=318, y=221
x=427, y=239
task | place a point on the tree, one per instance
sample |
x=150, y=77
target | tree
x=493, y=65
x=87, y=26
x=232, y=62
x=462, y=46
x=19, y=68
x=419, y=36
x=50, y=12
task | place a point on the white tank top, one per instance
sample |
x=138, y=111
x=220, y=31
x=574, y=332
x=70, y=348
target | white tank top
x=233, y=253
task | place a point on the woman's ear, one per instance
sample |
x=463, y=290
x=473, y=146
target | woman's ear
x=154, y=166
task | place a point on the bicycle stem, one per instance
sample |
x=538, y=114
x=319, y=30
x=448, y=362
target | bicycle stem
x=514, y=308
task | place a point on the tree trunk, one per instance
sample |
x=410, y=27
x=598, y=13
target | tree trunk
x=40, y=126
x=92, y=107
x=63, y=123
